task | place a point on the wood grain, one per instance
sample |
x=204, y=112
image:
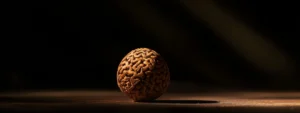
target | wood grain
x=114, y=101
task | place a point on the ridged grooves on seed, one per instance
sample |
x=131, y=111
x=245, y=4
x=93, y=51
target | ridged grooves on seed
x=143, y=75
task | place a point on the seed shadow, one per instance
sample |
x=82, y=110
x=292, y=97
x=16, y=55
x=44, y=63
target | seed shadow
x=183, y=101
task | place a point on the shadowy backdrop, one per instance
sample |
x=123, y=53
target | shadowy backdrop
x=78, y=45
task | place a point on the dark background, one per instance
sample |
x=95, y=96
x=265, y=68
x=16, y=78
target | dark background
x=78, y=45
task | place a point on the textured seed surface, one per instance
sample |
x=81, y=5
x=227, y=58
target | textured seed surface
x=143, y=75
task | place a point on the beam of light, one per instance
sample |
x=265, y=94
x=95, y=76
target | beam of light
x=172, y=38
x=248, y=43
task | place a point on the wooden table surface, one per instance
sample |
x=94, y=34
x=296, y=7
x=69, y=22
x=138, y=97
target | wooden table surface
x=115, y=101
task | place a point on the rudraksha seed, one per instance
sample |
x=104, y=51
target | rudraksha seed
x=143, y=75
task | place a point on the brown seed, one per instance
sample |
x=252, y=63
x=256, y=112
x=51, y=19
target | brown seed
x=149, y=77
